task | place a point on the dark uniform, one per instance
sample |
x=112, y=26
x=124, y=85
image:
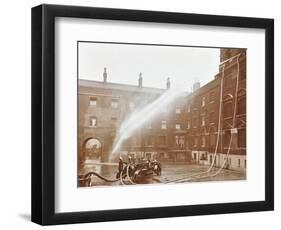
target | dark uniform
x=120, y=167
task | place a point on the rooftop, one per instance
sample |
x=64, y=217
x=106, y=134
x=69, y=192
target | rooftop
x=119, y=86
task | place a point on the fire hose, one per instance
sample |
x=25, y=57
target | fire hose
x=207, y=175
x=121, y=177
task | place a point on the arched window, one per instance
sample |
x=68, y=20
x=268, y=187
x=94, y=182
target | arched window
x=92, y=148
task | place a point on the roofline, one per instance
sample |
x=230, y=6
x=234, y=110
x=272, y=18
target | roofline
x=121, y=84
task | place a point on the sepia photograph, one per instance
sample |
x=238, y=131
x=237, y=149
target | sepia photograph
x=160, y=114
x=174, y=107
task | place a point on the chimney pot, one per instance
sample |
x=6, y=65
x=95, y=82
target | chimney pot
x=104, y=75
x=168, y=84
x=140, y=80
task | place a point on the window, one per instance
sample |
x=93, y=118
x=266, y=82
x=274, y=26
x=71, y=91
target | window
x=131, y=105
x=202, y=120
x=203, y=156
x=195, y=120
x=203, y=101
x=114, y=103
x=212, y=117
x=93, y=101
x=178, y=126
x=194, y=156
x=178, y=110
x=228, y=109
x=188, y=124
x=162, y=140
x=212, y=96
x=164, y=125
x=176, y=140
x=245, y=163
x=203, y=141
x=181, y=141
x=239, y=163
x=93, y=122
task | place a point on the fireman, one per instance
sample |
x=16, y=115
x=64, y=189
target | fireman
x=120, y=167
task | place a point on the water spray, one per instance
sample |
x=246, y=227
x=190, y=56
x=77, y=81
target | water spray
x=141, y=116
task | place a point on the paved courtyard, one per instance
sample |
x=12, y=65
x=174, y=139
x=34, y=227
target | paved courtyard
x=171, y=173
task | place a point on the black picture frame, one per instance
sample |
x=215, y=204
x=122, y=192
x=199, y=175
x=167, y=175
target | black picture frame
x=43, y=113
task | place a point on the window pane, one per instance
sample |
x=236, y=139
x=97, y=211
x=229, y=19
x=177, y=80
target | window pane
x=114, y=103
x=163, y=125
x=93, y=122
x=188, y=124
x=202, y=121
x=93, y=102
x=203, y=101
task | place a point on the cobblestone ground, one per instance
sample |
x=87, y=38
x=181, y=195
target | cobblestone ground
x=171, y=173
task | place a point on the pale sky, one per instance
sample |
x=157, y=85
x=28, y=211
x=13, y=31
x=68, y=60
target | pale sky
x=184, y=65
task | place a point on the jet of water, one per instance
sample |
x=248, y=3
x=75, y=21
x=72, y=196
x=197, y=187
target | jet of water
x=140, y=117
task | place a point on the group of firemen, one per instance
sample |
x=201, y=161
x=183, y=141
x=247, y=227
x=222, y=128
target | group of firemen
x=146, y=164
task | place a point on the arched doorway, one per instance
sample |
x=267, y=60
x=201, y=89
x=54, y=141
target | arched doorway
x=92, y=149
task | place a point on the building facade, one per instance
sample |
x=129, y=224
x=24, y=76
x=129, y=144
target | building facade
x=205, y=126
x=217, y=114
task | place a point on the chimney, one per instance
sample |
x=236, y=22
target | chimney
x=104, y=75
x=140, y=80
x=168, y=84
x=196, y=85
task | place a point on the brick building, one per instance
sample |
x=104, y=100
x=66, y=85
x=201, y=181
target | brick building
x=208, y=137
x=189, y=130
